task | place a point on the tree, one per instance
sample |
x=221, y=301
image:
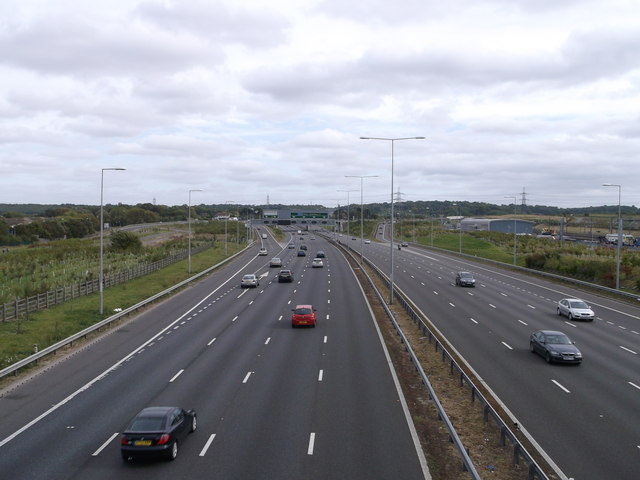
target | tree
x=125, y=241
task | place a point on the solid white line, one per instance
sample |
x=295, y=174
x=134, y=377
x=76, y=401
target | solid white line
x=126, y=358
x=267, y=341
x=507, y=345
x=634, y=385
x=207, y=445
x=320, y=375
x=212, y=340
x=312, y=441
x=246, y=378
x=176, y=375
x=630, y=351
x=104, y=445
x=567, y=391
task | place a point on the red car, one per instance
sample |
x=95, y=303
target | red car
x=303, y=315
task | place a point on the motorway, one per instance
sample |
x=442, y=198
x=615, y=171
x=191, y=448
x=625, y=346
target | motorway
x=272, y=402
x=587, y=417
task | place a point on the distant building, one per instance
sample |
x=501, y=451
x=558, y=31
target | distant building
x=504, y=225
x=301, y=218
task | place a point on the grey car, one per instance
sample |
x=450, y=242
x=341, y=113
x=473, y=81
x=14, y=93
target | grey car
x=249, y=280
x=554, y=346
x=465, y=279
x=574, y=308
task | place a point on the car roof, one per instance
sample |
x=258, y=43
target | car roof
x=304, y=306
x=573, y=300
x=156, y=411
x=552, y=332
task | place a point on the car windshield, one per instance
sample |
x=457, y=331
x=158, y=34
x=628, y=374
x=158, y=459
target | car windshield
x=558, y=340
x=303, y=311
x=578, y=305
x=247, y=277
x=147, y=424
x=465, y=275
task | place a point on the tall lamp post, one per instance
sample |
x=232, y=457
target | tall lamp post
x=361, y=177
x=348, y=203
x=392, y=140
x=189, y=222
x=101, y=273
x=619, y=231
x=226, y=219
x=515, y=212
x=459, y=228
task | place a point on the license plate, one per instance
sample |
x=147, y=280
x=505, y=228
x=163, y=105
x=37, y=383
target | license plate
x=142, y=443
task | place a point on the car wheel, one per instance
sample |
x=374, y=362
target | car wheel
x=547, y=357
x=570, y=317
x=126, y=457
x=559, y=312
x=531, y=349
x=194, y=424
x=174, y=451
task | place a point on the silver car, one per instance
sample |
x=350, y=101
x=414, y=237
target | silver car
x=575, y=309
x=249, y=280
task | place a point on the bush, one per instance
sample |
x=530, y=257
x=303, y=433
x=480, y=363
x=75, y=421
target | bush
x=125, y=242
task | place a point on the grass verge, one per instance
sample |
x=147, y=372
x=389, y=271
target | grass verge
x=46, y=327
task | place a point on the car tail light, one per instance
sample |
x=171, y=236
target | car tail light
x=163, y=439
x=123, y=440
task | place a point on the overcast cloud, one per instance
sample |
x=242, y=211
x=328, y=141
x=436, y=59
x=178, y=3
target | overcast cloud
x=248, y=100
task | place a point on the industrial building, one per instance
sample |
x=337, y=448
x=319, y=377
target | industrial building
x=304, y=219
x=504, y=225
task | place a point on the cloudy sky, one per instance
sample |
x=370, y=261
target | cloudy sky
x=250, y=100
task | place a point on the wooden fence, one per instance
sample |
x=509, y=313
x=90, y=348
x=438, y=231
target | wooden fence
x=22, y=307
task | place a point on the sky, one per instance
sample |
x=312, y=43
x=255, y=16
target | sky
x=254, y=102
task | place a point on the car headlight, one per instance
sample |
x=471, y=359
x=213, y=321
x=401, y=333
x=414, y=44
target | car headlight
x=555, y=354
x=578, y=355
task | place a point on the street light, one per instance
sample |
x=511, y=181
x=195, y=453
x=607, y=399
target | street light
x=226, y=218
x=515, y=212
x=189, y=222
x=619, y=231
x=459, y=228
x=361, y=177
x=101, y=274
x=392, y=140
x=348, y=203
